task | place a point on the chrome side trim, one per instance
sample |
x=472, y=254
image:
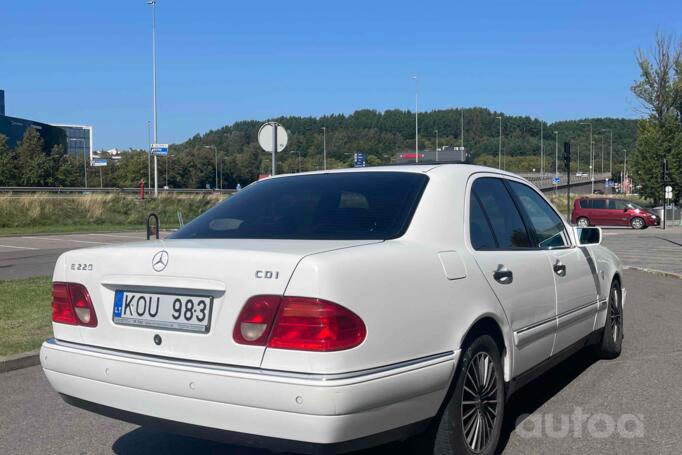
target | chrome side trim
x=417, y=363
x=577, y=314
x=535, y=331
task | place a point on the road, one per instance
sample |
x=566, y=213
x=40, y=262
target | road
x=642, y=384
x=652, y=248
x=35, y=255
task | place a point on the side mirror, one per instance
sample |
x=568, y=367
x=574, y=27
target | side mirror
x=588, y=235
x=625, y=209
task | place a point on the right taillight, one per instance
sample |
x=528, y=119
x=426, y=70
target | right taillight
x=71, y=304
x=298, y=323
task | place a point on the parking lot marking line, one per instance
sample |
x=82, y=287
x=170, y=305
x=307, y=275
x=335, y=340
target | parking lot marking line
x=18, y=247
x=120, y=236
x=66, y=240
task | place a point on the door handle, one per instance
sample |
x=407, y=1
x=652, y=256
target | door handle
x=503, y=275
x=559, y=268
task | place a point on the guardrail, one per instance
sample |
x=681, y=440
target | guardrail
x=545, y=181
x=83, y=190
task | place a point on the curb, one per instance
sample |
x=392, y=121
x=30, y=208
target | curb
x=18, y=361
x=654, y=271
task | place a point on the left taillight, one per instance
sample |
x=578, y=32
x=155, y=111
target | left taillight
x=71, y=304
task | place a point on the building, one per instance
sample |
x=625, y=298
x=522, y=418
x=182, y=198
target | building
x=78, y=140
x=75, y=139
x=445, y=154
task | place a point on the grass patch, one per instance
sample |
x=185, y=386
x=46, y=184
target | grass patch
x=25, y=314
x=42, y=213
x=72, y=228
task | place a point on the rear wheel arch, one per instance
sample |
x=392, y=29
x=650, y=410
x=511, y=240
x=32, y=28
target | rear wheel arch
x=488, y=325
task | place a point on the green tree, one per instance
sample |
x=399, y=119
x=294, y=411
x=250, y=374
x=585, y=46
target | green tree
x=34, y=166
x=8, y=165
x=659, y=136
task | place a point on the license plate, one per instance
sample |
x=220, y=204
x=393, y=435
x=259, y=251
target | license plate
x=185, y=313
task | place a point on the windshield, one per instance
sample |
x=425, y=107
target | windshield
x=335, y=206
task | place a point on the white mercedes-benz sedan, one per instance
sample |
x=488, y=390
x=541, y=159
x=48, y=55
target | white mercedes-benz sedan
x=331, y=311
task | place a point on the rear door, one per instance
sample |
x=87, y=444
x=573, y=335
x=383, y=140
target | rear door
x=573, y=268
x=617, y=212
x=519, y=274
x=598, y=212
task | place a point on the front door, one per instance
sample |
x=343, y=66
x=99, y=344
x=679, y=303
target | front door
x=573, y=269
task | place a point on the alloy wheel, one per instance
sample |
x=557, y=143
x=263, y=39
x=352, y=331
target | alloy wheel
x=637, y=223
x=616, y=316
x=479, y=402
x=583, y=223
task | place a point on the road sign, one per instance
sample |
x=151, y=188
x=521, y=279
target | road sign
x=159, y=149
x=556, y=180
x=265, y=134
x=359, y=159
x=668, y=192
x=98, y=162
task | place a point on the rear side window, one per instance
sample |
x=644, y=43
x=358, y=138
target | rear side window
x=598, y=204
x=334, y=206
x=482, y=237
x=547, y=225
x=499, y=208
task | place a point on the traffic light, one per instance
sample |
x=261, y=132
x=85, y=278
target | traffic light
x=567, y=157
x=664, y=170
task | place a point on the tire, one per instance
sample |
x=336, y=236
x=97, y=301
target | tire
x=473, y=400
x=612, y=337
x=582, y=222
x=637, y=223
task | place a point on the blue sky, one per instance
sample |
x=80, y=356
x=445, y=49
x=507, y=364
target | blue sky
x=88, y=62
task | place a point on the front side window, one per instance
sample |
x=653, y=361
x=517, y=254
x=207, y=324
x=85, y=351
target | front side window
x=334, y=206
x=617, y=204
x=500, y=210
x=585, y=204
x=548, y=227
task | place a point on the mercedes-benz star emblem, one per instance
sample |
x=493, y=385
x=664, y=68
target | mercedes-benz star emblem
x=160, y=261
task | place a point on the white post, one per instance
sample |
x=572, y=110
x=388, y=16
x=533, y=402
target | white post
x=156, y=167
x=416, y=119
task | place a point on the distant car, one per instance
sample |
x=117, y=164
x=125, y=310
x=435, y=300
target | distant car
x=581, y=174
x=598, y=191
x=331, y=311
x=612, y=212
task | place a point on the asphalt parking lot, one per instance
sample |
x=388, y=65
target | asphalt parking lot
x=35, y=255
x=640, y=389
x=651, y=249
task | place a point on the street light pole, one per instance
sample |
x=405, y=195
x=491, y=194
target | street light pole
x=499, y=149
x=591, y=155
x=542, y=149
x=299, y=159
x=85, y=161
x=149, y=154
x=152, y=3
x=416, y=119
x=324, y=146
x=610, y=151
x=436, y=145
x=602, y=154
x=461, y=127
x=215, y=149
x=556, y=155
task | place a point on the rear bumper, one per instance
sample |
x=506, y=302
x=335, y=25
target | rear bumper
x=277, y=410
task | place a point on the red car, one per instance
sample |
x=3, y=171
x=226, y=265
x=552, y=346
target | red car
x=612, y=212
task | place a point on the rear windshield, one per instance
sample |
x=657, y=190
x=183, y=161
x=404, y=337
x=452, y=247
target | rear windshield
x=335, y=206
